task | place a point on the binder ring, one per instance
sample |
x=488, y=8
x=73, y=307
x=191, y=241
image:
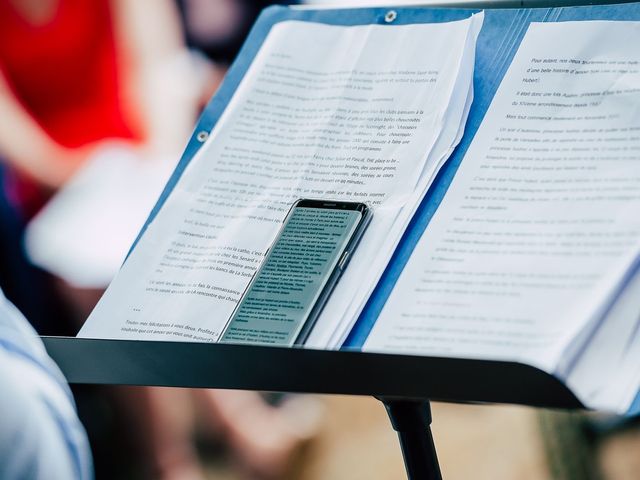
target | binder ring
x=390, y=16
x=202, y=136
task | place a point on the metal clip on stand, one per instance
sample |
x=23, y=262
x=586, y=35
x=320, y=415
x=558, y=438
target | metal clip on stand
x=412, y=420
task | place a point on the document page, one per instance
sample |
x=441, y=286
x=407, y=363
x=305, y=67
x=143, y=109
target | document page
x=541, y=219
x=339, y=322
x=329, y=112
x=606, y=376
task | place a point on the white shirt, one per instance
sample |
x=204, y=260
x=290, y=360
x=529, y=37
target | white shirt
x=40, y=434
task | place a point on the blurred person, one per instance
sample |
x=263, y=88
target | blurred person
x=218, y=28
x=75, y=77
x=40, y=434
x=263, y=439
x=77, y=74
x=24, y=285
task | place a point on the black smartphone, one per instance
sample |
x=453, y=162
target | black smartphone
x=300, y=270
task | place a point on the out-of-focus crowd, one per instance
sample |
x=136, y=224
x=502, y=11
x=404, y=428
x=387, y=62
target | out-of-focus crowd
x=78, y=77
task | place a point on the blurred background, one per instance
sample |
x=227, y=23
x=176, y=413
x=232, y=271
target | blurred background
x=97, y=100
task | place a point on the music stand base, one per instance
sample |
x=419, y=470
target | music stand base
x=412, y=420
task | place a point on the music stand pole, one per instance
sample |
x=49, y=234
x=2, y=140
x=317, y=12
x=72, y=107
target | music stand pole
x=412, y=420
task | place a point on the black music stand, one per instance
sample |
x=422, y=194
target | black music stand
x=405, y=384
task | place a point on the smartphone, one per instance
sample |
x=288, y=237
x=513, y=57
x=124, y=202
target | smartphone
x=300, y=270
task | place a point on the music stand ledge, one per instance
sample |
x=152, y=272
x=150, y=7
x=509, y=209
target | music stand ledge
x=404, y=383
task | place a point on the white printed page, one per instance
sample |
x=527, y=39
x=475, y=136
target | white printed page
x=347, y=113
x=542, y=217
x=338, y=323
x=606, y=376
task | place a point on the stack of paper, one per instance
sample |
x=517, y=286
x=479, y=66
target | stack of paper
x=362, y=113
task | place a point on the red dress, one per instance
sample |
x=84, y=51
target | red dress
x=66, y=72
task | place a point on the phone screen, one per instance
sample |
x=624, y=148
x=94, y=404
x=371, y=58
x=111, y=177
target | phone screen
x=295, y=273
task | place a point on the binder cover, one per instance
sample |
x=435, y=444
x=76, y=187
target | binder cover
x=499, y=39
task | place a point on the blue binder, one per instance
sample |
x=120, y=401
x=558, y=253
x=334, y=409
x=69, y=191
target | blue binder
x=499, y=39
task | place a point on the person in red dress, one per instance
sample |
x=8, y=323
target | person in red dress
x=73, y=75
